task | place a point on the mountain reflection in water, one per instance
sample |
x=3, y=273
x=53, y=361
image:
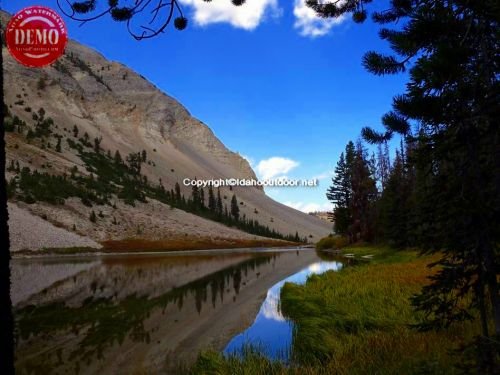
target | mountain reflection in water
x=124, y=314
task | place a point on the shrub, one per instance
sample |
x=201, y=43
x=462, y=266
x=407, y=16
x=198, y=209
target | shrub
x=332, y=242
x=60, y=67
x=86, y=201
x=58, y=145
x=41, y=84
x=28, y=199
x=11, y=187
x=9, y=124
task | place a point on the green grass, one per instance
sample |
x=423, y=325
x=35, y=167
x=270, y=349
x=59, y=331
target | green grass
x=383, y=254
x=331, y=242
x=215, y=363
x=358, y=321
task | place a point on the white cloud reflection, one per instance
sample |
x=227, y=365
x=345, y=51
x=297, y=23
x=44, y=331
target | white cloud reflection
x=270, y=307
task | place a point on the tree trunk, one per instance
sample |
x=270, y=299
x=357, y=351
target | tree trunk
x=6, y=319
x=481, y=302
x=491, y=281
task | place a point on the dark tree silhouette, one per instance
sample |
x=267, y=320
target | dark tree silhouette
x=353, y=193
x=211, y=200
x=451, y=50
x=235, y=210
x=340, y=192
x=144, y=19
x=6, y=318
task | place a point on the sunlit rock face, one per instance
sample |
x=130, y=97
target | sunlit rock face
x=108, y=101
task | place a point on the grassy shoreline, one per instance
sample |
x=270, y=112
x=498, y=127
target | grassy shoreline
x=357, y=321
x=132, y=246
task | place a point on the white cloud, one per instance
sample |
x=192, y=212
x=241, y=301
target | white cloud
x=309, y=24
x=324, y=175
x=247, y=16
x=310, y=207
x=270, y=307
x=275, y=166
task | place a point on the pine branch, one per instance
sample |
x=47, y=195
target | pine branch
x=395, y=123
x=379, y=64
x=373, y=137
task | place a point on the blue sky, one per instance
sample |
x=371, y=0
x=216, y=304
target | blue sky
x=274, y=83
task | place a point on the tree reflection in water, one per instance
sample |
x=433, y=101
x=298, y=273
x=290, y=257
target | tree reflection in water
x=99, y=323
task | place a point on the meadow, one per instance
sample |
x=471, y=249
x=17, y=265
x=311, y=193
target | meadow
x=357, y=321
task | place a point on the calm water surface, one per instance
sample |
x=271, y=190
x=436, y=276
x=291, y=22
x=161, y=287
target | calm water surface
x=271, y=332
x=143, y=313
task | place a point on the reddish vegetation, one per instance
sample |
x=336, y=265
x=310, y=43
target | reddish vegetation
x=203, y=243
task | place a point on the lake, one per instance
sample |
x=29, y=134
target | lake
x=118, y=314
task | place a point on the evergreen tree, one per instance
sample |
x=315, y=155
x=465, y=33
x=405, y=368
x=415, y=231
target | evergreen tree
x=58, y=145
x=211, y=200
x=393, y=207
x=219, y=203
x=41, y=114
x=11, y=167
x=177, y=192
x=202, y=198
x=341, y=191
x=353, y=193
x=452, y=50
x=134, y=161
x=118, y=157
x=364, y=194
x=235, y=210
x=195, y=197
x=339, y=194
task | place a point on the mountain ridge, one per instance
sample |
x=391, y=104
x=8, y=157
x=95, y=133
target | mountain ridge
x=110, y=102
